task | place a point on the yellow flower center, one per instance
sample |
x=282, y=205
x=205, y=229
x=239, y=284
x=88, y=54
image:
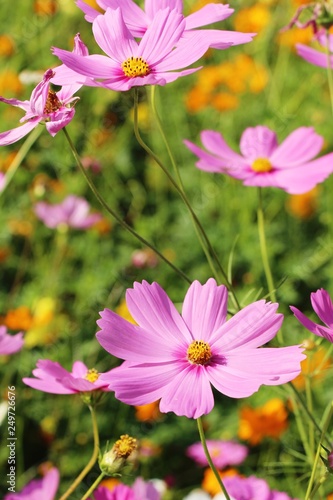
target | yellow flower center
x=261, y=165
x=199, y=352
x=52, y=103
x=124, y=446
x=135, y=66
x=92, y=375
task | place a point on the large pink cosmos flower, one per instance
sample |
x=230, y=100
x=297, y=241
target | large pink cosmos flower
x=314, y=56
x=72, y=211
x=9, y=344
x=262, y=162
x=247, y=488
x=323, y=307
x=176, y=358
x=223, y=453
x=140, y=490
x=53, y=378
x=153, y=61
x=138, y=20
x=39, y=489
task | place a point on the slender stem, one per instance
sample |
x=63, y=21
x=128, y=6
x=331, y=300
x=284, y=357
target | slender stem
x=209, y=458
x=309, y=405
x=92, y=460
x=21, y=154
x=263, y=248
x=94, y=486
x=308, y=495
x=117, y=217
x=329, y=68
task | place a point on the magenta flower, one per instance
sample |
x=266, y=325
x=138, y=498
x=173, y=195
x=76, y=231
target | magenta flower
x=248, y=488
x=72, y=211
x=262, y=162
x=323, y=307
x=39, y=489
x=153, y=61
x=176, y=358
x=223, y=453
x=55, y=109
x=138, y=20
x=9, y=344
x=53, y=378
x=138, y=491
x=317, y=57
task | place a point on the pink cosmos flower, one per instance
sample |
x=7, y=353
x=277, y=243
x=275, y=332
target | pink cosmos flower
x=138, y=20
x=140, y=490
x=223, y=453
x=2, y=181
x=52, y=108
x=248, y=488
x=176, y=358
x=53, y=378
x=323, y=307
x=317, y=57
x=262, y=162
x=9, y=344
x=39, y=489
x=72, y=211
x=153, y=61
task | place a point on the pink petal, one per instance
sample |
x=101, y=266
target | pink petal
x=229, y=384
x=59, y=120
x=207, y=161
x=153, y=311
x=321, y=331
x=130, y=342
x=94, y=66
x=313, y=56
x=113, y=36
x=90, y=13
x=189, y=393
x=79, y=369
x=258, y=142
x=205, y=308
x=40, y=93
x=143, y=384
x=16, y=134
x=152, y=7
x=299, y=147
x=322, y=306
x=48, y=385
x=25, y=105
x=135, y=19
x=253, y=326
x=214, y=142
x=9, y=344
x=211, y=13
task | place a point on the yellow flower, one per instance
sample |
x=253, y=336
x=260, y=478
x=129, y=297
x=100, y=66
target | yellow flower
x=7, y=46
x=313, y=367
x=123, y=311
x=10, y=83
x=303, y=206
x=252, y=19
x=269, y=420
x=290, y=37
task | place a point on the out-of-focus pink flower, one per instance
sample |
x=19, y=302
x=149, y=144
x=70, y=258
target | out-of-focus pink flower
x=9, y=344
x=323, y=307
x=223, y=453
x=176, y=358
x=53, y=378
x=140, y=490
x=39, y=489
x=317, y=57
x=247, y=488
x=55, y=109
x=262, y=162
x=2, y=181
x=138, y=20
x=144, y=258
x=92, y=164
x=72, y=211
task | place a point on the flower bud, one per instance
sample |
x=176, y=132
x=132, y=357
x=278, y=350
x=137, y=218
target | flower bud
x=113, y=461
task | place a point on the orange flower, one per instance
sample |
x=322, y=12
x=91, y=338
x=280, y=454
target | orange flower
x=313, y=367
x=45, y=7
x=6, y=46
x=209, y=482
x=18, y=319
x=10, y=83
x=269, y=420
x=252, y=19
x=303, y=206
x=110, y=483
x=290, y=37
x=148, y=412
x=103, y=226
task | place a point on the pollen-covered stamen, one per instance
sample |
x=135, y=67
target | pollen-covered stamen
x=199, y=352
x=52, y=103
x=124, y=446
x=92, y=375
x=261, y=165
x=135, y=66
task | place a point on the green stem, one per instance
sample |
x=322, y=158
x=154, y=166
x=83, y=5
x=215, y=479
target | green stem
x=308, y=495
x=305, y=408
x=329, y=69
x=263, y=248
x=120, y=221
x=94, y=486
x=92, y=460
x=21, y=154
x=209, y=458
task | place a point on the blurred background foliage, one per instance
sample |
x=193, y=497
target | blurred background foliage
x=54, y=282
